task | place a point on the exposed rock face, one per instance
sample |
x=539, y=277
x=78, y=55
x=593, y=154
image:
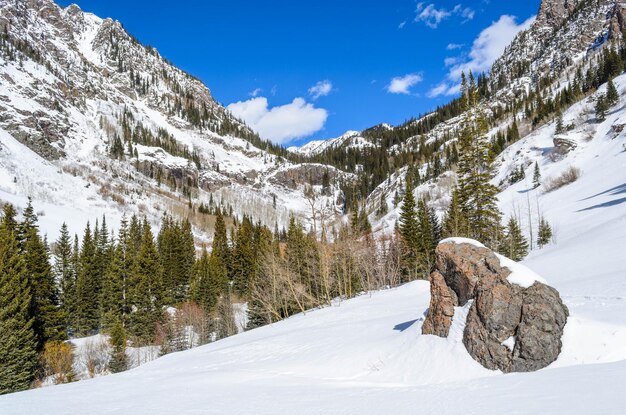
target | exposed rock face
x=554, y=12
x=509, y=327
x=443, y=301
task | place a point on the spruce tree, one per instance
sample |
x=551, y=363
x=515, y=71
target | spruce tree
x=207, y=281
x=536, y=176
x=478, y=197
x=560, y=128
x=147, y=288
x=601, y=108
x=65, y=273
x=409, y=231
x=87, y=284
x=18, y=357
x=48, y=320
x=514, y=244
x=454, y=221
x=119, y=360
x=545, y=233
x=426, y=240
x=612, y=96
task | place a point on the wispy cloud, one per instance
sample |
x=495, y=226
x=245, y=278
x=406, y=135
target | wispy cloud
x=486, y=48
x=432, y=16
x=321, y=89
x=403, y=84
x=255, y=92
x=454, y=46
x=402, y=24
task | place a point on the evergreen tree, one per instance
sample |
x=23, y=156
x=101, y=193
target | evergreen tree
x=119, y=360
x=612, y=96
x=454, y=221
x=147, y=288
x=601, y=108
x=65, y=274
x=426, y=238
x=409, y=231
x=545, y=233
x=514, y=245
x=87, y=296
x=18, y=357
x=220, y=248
x=536, y=176
x=560, y=128
x=48, y=322
x=476, y=194
x=207, y=281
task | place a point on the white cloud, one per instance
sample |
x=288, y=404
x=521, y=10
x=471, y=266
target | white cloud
x=454, y=46
x=321, y=89
x=444, y=88
x=431, y=16
x=255, y=92
x=486, y=48
x=402, y=24
x=403, y=84
x=283, y=123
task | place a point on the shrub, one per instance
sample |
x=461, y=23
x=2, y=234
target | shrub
x=570, y=175
x=57, y=359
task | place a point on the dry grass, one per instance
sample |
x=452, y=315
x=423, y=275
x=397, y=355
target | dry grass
x=570, y=175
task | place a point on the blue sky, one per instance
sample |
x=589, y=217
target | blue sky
x=299, y=70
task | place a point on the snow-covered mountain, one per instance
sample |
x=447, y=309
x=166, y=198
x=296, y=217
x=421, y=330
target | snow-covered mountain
x=348, y=140
x=92, y=122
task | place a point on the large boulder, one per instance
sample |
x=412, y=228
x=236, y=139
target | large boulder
x=515, y=322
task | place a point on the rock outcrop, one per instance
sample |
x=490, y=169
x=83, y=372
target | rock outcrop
x=514, y=324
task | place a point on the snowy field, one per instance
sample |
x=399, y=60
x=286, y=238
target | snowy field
x=367, y=355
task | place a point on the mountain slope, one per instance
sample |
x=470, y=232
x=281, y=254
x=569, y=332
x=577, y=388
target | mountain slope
x=85, y=102
x=367, y=355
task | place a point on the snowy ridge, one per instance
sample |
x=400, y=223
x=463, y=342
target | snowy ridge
x=350, y=139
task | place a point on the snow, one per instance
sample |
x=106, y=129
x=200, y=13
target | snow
x=520, y=275
x=510, y=342
x=458, y=240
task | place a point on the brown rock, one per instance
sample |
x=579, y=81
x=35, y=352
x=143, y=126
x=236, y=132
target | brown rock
x=443, y=300
x=509, y=327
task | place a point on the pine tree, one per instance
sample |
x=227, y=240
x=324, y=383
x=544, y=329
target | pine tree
x=409, y=231
x=545, y=233
x=601, y=108
x=18, y=357
x=207, y=281
x=514, y=245
x=48, y=321
x=612, y=96
x=87, y=296
x=426, y=239
x=65, y=273
x=477, y=196
x=119, y=360
x=147, y=288
x=454, y=221
x=536, y=176
x=220, y=248
x=560, y=128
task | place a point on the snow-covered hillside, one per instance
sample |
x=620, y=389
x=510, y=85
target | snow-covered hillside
x=73, y=84
x=368, y=356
